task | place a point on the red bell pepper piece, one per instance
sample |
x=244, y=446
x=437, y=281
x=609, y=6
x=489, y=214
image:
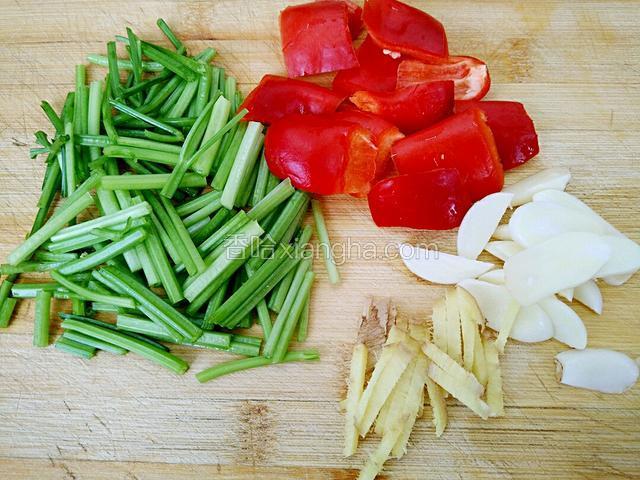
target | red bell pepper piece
x=401, y=28
x=385, y=134
x=462, y=141
x=434, y=200
x=513, y=130
x=470, y=75
x=410, y=108
x=321, y=154
x=355, y=16
x=275, y=97
x=316, y=38
x=377, y=72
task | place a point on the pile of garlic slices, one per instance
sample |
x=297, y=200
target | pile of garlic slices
x=554, y=245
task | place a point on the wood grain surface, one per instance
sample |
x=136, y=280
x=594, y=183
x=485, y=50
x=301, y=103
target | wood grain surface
x=575, y=65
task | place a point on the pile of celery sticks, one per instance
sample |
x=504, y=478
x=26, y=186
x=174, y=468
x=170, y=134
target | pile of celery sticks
x=140, y=234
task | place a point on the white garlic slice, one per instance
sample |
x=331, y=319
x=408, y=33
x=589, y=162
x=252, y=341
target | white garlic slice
x=597, y=369
x=536, y=222
x=493, y=276
x=502, y=232
x=625, y=257
x=480, y=222
x=589, y=295
x=503, y=249
x=494, y=301
x=561, y=262
x=439, y=267
x=532, y=325
x=568, y=327
x=523, y=191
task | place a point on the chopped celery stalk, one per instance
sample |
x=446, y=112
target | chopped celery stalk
x=243, y=164
x=272, y=200
x=219, y=270
x=133, y=212
x=154, y=181
x=132, y=112
x=255, y=288
x=133, y=238
x=292, y=318
x=6, y=311
x=218, y=119
x=187, y=68
x=260, y=189
x=161, y=311
x=204, y=90
x=87, y=294
x=232, y=226
x=184, y=236
x=198, y=203
x=95, y=105
x=28, y=267
x=179, y=46
x=178, y=110
x=127, y=342
x=226, y=163
x=94, y=342
x=285, y=311
x=30, y=290
x=303, y=324
x=74, y=348
x=69, y=159
x=186, y=152
x=55, y=224
x=163, y=267
x=78, y=307
x=233, y=366
x=134, y=153
x=122, y=64
x=325, y=243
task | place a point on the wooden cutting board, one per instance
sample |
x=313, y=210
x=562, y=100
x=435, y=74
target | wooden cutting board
x=575, y=65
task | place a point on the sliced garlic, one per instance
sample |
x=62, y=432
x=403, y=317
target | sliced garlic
x=568, y=200
x=503, y=249
x=532, y=325
x=480, y=222
x=502, y=232
x=493, y=300
x=439, y=267
x=567, y=293
x=562, y=262
x=589, y=295
x=597, y=369
x=493, y=276
x=625, y=257
x=568, y=327
x=617, y=280
x=536, y=222
x=552, y=178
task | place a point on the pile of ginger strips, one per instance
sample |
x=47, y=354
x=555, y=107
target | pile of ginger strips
x=452, y=356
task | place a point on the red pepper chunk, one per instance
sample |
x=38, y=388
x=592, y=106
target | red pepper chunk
x=462, y=141
x=276, y=97
x=377, y=72
x=470, y=75
x=401, y=28
x=434, y=200
x=316, y=38
x=513, y=130
x=385, y=134
x=321, y=154
x=411, y=108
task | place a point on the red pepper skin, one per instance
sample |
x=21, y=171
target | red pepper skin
x=410, y=108
x=434, y=200
x=462, y=141
x=355, y=17
x=276, y=97
x=377, y=72
x=470, y=75
x=316, y=38
x=513, y=130
x=321, y=154
x=401, y=28
x=385, y=134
